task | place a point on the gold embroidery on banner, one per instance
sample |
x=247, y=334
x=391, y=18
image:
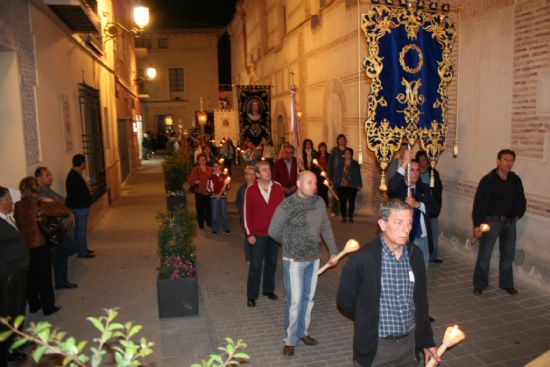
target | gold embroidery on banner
x=403, y=53
x=383, y=139
x=412, y=113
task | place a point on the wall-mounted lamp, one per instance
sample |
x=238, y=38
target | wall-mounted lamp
x=202, y=117
x=141, y=19
x=151, y=72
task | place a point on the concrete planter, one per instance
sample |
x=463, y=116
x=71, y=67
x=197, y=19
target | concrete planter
x=178, y=297
x=175, y=200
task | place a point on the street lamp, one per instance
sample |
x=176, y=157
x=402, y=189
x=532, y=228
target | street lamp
x=202, y=117
x=151, y=72
x=141, y=19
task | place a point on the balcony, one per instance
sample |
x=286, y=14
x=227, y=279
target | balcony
x=79, y=15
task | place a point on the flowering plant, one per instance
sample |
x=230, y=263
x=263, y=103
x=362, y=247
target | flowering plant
x=176, y=267
x=176, y=249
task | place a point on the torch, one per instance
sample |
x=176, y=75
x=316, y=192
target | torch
x=484, y=228
x=453, y=336
x=351, y=246
x=326, y=182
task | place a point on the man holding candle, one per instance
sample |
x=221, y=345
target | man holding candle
x=217, y=186
x=499, y=202
x=298, y=224
x=383, y=288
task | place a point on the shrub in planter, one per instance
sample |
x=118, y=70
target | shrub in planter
x=177, y=287
x=176, y=169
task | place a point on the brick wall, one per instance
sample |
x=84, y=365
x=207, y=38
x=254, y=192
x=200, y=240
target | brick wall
x=15, y=20
x=531, y=56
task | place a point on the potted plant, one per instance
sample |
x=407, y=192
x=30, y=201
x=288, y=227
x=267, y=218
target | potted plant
x=175, y=169
x=177, y=287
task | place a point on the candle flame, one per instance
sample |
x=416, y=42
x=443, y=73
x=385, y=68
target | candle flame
x=315, y=162
x=453, y=335
x=325, y=182
x=221, y=161
x=351, y=246
x=324, y=174
x=485, y=227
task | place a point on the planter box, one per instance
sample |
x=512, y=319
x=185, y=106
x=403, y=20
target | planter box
x=175, y=201
x=178, y=297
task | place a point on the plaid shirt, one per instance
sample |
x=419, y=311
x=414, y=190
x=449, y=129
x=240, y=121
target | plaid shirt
x=396, y=296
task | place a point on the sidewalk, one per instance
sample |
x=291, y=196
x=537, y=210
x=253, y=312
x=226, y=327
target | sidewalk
x=501, y=330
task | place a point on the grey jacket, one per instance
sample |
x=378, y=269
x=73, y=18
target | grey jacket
x=298, y=224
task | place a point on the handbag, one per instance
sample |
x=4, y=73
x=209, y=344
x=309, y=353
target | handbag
x=194, y=188
x=52, y=228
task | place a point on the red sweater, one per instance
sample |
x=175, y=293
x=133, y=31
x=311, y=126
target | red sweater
x=215, y=184
x=257, y=213
x=198, y=174
x=280, y=173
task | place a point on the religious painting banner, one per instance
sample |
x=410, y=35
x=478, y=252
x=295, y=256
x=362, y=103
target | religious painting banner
x=409, y=64
x=226, y=125
x=254, y=105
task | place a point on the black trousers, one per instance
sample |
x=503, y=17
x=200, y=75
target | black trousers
x=347, y=201
x=60, y=254
x=13, y=294
x=202, y=206
x=39, y=285
x=322, y=190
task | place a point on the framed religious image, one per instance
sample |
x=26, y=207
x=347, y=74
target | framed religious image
x=254, y=104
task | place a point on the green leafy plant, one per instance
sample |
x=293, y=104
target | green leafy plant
x=119, y=337
x=175, y=240
x=230, y=356
x=176, y=169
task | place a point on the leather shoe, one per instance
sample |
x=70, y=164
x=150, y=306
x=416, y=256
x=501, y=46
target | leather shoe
x=251, y=302
x=288, y=351
x=437, y=261
x=66, y=285
x=89, y=255
x=478, y=291
x=431, y=319
x=16, y=356
x=309, y=340
x=271, y=296
x=513, y=291
x=52, y=311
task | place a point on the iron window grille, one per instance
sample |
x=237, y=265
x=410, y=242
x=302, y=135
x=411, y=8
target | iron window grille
x=92, y=139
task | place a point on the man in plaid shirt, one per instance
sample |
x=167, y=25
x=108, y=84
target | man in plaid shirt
x=383, y=288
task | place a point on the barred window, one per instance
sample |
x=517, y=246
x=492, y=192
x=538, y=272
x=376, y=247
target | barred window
x=92, y=139
x=176, y=79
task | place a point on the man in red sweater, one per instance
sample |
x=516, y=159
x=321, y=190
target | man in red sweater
x=285, y=171
x=260, y=201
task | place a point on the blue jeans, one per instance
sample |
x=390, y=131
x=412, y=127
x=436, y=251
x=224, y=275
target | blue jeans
x=263, y=251
x=505, y=231
x=219, y=214
x=80, y=230
x=300, y=285
x=422, y=244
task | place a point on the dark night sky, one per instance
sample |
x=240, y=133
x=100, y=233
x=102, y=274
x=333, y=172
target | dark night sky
x=190, y=13
x=197, y=14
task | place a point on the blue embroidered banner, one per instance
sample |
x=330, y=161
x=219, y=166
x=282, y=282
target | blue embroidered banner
x=409, y=64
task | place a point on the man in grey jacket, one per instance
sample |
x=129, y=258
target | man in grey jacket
x=298, y=224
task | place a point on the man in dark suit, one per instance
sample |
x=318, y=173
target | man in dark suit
x=285, y=171
x=418, y=196
x=14, y=265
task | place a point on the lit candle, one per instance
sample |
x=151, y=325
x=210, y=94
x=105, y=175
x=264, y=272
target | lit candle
x=485, y=227
x=324, y=174
x=315, y=161
x=351, y=246
x=453, y=336
x=221, y=161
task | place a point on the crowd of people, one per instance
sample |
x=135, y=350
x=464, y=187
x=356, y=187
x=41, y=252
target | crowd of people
x=285, y=202
x=31, y=249
x=383, y=286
